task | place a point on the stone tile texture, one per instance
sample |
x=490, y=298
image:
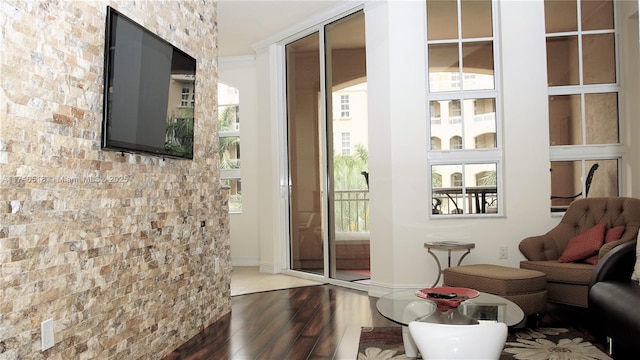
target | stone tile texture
x=108, y=245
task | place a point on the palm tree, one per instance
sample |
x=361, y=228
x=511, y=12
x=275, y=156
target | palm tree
x=487, y=178
x=348, y=175
x=347, y=169
x=180, y=134
x=227, y=145
x=226, y=118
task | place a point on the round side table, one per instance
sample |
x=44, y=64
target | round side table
x=447, y=246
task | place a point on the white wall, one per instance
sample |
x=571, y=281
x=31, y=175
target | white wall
x=240, y=73
x=400, y=225
x=272, y=184
x=629, y=48
x=398, y=139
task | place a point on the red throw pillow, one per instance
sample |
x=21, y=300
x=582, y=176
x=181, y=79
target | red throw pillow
x=584, y=245
x=612, y=234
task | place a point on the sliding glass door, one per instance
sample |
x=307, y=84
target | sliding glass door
x=327, y=151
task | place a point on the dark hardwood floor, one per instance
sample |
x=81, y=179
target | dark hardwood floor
x=315, y=322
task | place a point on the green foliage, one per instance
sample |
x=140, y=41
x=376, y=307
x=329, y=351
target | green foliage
x=347, y=170
x=351, y=213
x=180, y=135
x=226, y=118
x=227, y=144
x=488, y=178
x=436, y=179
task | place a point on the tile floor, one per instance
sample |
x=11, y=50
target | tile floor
x=248, y=279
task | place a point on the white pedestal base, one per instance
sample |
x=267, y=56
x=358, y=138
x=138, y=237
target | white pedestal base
x=410, y=348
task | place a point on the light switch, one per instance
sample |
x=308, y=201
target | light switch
x=46, y=332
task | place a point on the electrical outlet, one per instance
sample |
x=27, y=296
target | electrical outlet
x=46, y=334
x=504, y=252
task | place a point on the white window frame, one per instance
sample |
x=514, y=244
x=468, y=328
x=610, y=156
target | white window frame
x=586, y=152
x=465, y=157
x=232, y=174
x=187, y=98
x=345, y=141
x=345, y=106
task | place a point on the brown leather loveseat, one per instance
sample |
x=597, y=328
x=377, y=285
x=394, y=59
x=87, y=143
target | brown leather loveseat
x=577, y=232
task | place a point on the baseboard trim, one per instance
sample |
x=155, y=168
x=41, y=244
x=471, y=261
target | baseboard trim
x=235, y=261
x=380, y=289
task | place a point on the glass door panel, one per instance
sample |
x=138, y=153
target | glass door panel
x=304, y=153
x=347, y=148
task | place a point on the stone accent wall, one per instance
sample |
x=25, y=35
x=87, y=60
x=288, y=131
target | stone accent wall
x=109, y=245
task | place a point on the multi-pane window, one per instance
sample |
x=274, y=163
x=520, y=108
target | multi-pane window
x=434, y=113
x=462, y=95
x=456, y=142
x=346, y=143
x=456, y=179
x=229, y=143
x=344, y=106
x=455, y=112
x=187, y=95
x=436, y=143
x=486, y=140
x=455, y=80
x=583, y=100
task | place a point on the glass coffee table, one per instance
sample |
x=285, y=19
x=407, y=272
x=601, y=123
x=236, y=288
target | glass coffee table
x=404, y=307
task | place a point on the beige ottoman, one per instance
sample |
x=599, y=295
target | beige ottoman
x=526, y=288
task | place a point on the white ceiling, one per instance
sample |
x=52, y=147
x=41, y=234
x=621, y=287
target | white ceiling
x=243, y=23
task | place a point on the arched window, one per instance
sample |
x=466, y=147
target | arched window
x=434, y=113
x=486, y=141
x=455, y=111
x=456, y=179
x=455, y=142
x=436, y=143
x=486, y=178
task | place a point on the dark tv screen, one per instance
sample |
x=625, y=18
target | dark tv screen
x=148, y=92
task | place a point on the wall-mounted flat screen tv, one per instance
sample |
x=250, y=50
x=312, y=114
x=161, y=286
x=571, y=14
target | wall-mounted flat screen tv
x=148, y=92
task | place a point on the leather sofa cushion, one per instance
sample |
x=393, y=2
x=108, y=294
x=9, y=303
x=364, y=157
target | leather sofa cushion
x=569, y=273
x=635, y=275
x=615, y=303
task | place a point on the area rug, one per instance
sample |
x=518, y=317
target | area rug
x=385, y=343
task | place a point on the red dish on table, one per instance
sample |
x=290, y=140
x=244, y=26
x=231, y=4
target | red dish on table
x=447, y=297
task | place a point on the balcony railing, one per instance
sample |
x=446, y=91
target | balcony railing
x=455, y=119
x=485, y=117
x=470, y=200
x=352, y=206
x=351, y=210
